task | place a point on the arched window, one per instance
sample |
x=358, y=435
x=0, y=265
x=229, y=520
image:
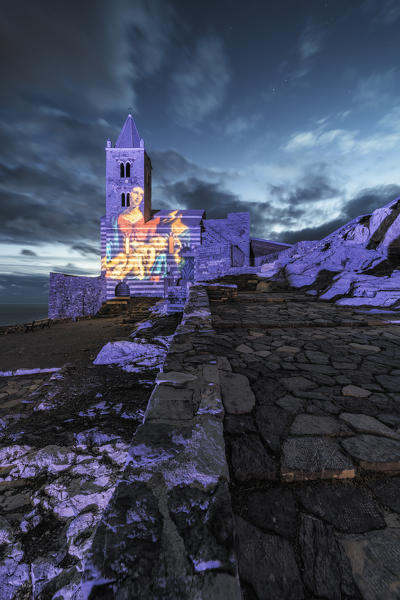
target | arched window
x=122, y=199
x=121, y=170
x=128, y=170
x=128, y=200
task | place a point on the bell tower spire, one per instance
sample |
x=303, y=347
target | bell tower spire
x=128, y=172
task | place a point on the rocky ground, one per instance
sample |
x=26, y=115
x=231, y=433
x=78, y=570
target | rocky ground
x=265, y=464
x=64, y=439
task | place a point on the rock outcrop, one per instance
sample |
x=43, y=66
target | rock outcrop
x=358, y=264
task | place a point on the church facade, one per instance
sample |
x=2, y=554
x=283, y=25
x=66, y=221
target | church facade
x=145, y=252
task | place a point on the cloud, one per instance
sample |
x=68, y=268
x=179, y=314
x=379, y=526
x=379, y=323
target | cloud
x=199, y=83
x=72, y=269
x=80, y=56
x=309, y=233
x=391, y=120
x=365, y=202
x=303, y=140
x=311, y=188
x=86, y=249
x=240, y=125
x=169, y=165
x=217, y=201
x=310, y=42
x=368, y=199
x=376, y=90
x=26, y=252
x=383, y=12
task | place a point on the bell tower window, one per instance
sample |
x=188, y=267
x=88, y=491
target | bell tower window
x=128, y=200
x=122, y=170
x=123, y=199
x=128, y=170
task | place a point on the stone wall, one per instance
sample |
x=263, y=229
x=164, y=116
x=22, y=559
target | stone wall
x=234, y=230
x=212, y=261
x=75, y=296
x=168, y=530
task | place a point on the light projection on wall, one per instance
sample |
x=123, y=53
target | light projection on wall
x=146, y=250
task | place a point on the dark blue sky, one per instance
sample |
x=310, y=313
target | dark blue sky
x=288, y=109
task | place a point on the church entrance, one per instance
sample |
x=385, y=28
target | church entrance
x=122, y=289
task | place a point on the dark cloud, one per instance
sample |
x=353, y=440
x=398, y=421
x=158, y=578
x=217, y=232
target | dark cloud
x=368, y=199
x=364, y=203
x=170, y=166
x=81, y=55
x=86, y=249
x=311, y=188
x=194, y=193
x=309, y=233
x=26, y=252
x=198, y=85
x=72, y=269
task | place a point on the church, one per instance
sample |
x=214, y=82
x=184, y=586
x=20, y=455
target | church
x=150, y=252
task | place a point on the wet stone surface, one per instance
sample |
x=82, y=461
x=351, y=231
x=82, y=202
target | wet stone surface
x=327, y=413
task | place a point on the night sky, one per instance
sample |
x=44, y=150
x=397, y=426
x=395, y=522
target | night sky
x=288, y=109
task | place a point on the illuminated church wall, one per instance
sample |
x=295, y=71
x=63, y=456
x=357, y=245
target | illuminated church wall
x=138, y=247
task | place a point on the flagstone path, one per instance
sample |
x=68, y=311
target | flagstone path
x=314, y=457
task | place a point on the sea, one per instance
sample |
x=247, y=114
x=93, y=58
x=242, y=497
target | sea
x=12, y=314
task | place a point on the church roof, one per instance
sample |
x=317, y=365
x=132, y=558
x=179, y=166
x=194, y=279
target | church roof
x=129, y=136
x=262, y=247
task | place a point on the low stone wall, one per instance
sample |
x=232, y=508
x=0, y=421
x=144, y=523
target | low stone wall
x=72, y=296
x=168, y=530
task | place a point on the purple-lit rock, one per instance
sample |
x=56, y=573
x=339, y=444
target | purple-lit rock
x=359, y=264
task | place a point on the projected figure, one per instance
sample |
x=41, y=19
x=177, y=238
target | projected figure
x=144, y=248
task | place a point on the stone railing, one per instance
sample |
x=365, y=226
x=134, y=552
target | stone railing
x=168, y=530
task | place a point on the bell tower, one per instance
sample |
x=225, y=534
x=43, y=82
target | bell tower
x=128, y=172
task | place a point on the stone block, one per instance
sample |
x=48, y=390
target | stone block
x=314, y=458
x=273, y=510
x=374, y=453
x=326, y=569
x=355, y=390
x=272, y=423
x=388, y=492
x=175, y=378
x=375, y=563
x=365, y=424
x=237, y=395
x=318, y=425
x=294, y=384
x=391, y=383
x=348, y=508
x=223, y=364
x=250, y=460
x=267, y=563
x=238, y=424
x=167, y=402
x=204, y=522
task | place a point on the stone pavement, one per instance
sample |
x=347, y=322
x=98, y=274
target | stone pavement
x=289, y=488
x=312, y=430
